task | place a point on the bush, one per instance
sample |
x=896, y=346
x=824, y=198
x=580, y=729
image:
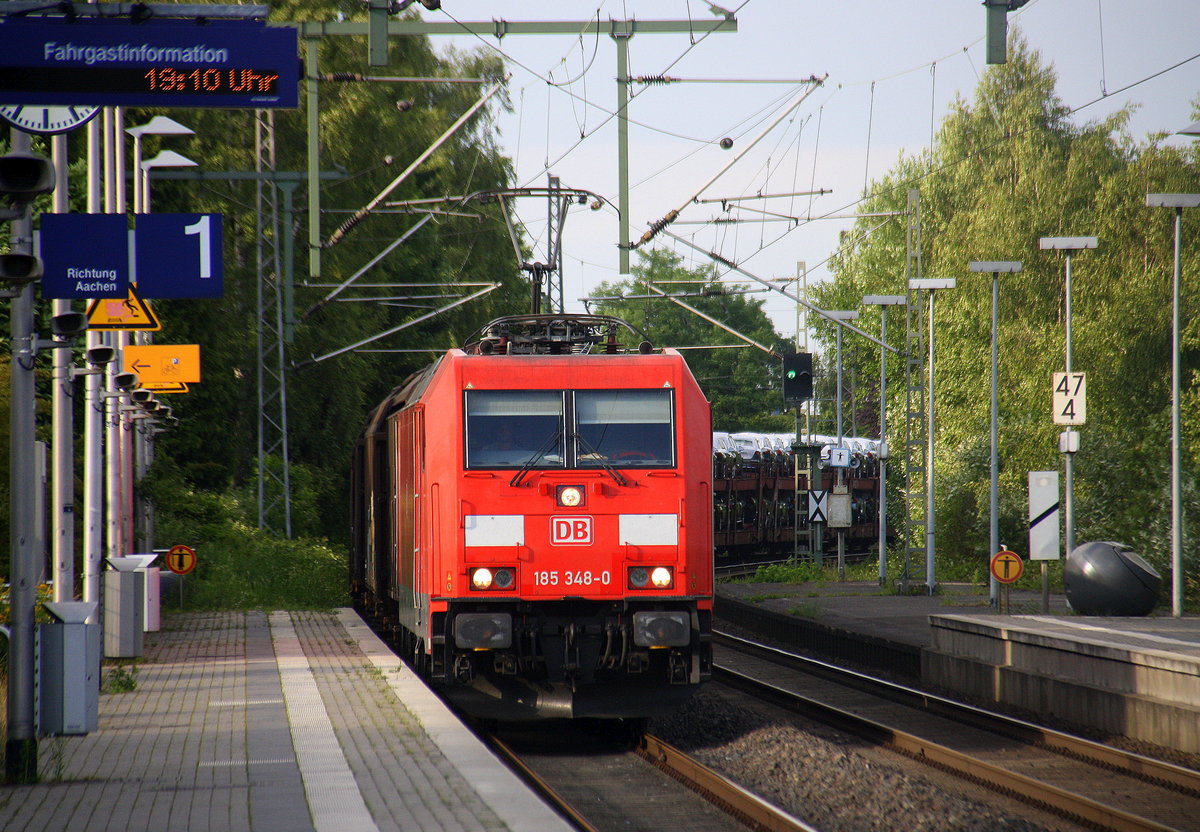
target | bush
x=238, y=565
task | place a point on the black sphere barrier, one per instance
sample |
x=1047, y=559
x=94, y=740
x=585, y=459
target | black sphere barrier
x=1107, y=578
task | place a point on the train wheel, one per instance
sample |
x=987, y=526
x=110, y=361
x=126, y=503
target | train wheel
x=420, y=660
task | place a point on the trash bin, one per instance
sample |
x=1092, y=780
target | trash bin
x=152, y=612
x=124, y=608
x=69, y=668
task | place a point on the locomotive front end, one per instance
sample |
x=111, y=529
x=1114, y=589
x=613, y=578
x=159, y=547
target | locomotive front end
x=578, y=564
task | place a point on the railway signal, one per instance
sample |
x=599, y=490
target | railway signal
x=797, y=376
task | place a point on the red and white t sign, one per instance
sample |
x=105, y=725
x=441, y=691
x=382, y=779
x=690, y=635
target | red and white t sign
x=568, y=531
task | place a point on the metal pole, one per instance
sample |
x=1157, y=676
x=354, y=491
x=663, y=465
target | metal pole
x=841, y=533
x=93, y=416
x=882, y=443
x=930, y=580
x=115, y=204
x=1176, y=491
x=62, y=398
x=622, y=42
x=1070, y=461
x=994, y=497
x=21, y=751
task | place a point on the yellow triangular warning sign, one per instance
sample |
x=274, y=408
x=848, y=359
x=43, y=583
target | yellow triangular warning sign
x=132, y=313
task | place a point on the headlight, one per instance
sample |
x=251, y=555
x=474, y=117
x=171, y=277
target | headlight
x=661, y=629
x=502, y=577
x=651, y=577
x=570, y=496
x=483, y=630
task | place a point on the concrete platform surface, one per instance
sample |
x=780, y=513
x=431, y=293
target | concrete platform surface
x=272, y=723
x=862, y=607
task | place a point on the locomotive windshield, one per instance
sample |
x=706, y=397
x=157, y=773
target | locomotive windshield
x=519, y=428
x=628, y=427
x=514, y=428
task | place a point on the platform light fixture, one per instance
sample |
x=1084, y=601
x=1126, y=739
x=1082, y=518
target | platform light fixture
x=932, y=285
x=1069, y=440
x=165, y=159
x=157, y=126
x=883, y=302
x=1178, y=202
x=997, y=268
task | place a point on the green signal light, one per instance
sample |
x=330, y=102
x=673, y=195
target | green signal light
x=791, y=373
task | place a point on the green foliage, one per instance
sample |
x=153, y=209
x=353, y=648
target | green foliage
x=365, y=142
x=789, y=572
x=1008, y=169
x=120, y=678
x=743, y=383
x=238, y=565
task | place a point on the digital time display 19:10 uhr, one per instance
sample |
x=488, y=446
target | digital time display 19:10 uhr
x=198, y=80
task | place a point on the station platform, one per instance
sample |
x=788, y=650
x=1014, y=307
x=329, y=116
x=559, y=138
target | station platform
x=1132, y=677
x=278, y=722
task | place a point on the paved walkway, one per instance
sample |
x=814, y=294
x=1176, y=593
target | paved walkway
x=288, y=722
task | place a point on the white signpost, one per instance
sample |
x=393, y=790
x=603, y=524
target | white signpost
x=1070, y=398
x=1044, y=539
x=1043, y=524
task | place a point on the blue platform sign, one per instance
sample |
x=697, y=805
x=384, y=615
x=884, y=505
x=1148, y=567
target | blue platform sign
x=151, y=63
x=179, y=256
x=85, y=255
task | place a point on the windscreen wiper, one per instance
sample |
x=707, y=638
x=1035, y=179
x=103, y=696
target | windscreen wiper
x=538, y=454
x=602, y=459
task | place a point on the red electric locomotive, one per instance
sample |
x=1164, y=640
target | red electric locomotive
x=533, y=522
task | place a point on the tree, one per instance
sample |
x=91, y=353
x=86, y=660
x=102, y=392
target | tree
x=1006, y=170
x=366, y=137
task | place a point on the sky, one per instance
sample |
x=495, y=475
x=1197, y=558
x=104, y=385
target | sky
x=890, y=70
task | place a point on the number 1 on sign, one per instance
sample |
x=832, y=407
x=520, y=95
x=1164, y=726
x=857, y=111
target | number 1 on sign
x=202, y=229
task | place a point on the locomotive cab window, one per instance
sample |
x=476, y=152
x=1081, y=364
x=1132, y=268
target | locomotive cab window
x=519, y=428
x=626, y=428
x=514, y=428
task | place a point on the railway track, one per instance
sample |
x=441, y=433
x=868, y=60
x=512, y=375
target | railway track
x=599, y=783
x=1087, y=782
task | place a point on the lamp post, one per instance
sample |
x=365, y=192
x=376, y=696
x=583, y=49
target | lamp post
x=1178, y=202
x=165, y=159
x=157, y=126
x=932, y=285
x=883, y=302
x=138, y=432
x=1069, y=245
x=996, y=268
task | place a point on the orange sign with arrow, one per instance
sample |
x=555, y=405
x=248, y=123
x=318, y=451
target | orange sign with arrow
x=163, y=363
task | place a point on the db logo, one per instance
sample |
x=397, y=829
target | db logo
x=570, y=530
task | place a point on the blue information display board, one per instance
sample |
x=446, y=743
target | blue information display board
x=179, y=256
x=152, y=63
x=173, y=255
x=85, y=255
